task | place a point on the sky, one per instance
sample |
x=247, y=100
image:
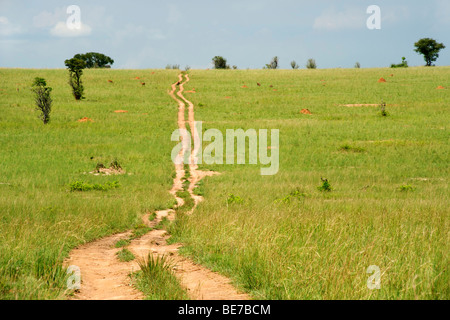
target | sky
x=248, y=33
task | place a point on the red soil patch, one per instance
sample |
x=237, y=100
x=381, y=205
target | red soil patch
x=392, y=75
x=440, y=87
x=121, y=111
x=227, y=97
x=381, y=80
x=137, y=78
x=153, y=72
x=85, y=119
x=305, y=111
x=275, y=89
x=244, y=86
x=110, y=81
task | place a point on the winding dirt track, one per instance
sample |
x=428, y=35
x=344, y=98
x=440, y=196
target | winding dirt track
x=104, y=277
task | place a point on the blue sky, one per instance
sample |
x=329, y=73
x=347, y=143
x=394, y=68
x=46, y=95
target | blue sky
x=248, y=33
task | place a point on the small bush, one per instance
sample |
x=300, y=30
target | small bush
x=383, y=111
x=311, y=64
x=234, y=199
x=357, y=65
x=273, y=64
x=173, y=66
x=325, y=187
x=406, y=188
x=294, y=65
x=404, y=64
x=42, y=98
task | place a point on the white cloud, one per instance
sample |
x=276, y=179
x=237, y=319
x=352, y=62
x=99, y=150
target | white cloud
x=47, y=19
x=61, y=30
x=7, y=28
x=331, y=19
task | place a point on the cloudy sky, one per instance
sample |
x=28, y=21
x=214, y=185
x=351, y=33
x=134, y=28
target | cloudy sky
x=248, y=33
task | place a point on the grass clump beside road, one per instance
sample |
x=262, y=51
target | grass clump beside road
x=157, y=280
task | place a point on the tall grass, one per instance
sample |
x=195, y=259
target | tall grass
x=157, y=280
x=40, y=219
x=319, y=246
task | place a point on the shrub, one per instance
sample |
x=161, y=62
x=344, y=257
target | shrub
x=42, y=98
x=220, y=63
x=383, y=111
x=173, y=66
x=404, y=64
x=311, y=64
x=406, y=188
x=234, y=199
x=75, y=67
x=357, y=65
x=326, y=186
x=273, y=64
x=294, y=65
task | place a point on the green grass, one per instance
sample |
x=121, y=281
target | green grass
x=157, y=281
x=40, y=219
x=125, y=255
x=315, y=245
x=122, y=243
x=319, y=246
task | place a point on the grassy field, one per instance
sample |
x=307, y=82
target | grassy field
x=41, y=220
x=286, y=240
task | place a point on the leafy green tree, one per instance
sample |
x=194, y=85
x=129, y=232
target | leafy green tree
x=75, y=67
x=429, y=48
x=294, y=65
x=42, y=98
x=95, y=60
x=220, y=63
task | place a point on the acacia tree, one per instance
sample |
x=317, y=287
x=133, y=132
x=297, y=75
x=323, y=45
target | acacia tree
x=42, y=98
x=95, y=60
x=75, y=67
x=429, y=48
